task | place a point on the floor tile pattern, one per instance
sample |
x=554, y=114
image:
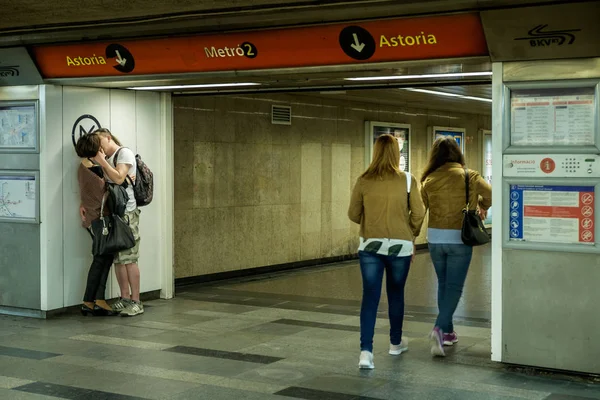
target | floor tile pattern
x=292, y=335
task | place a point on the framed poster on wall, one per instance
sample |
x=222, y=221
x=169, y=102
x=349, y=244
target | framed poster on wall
x=401, y=132
x=19, y=200
x=486, y=168
x=457, y=133
x=19, y=127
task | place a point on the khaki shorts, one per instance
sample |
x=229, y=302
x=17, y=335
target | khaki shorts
x=131, y=256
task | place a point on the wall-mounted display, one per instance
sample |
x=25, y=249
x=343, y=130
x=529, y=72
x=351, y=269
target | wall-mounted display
x=552, y=214
x=552, y=117
x=457, y=134
x=400, y=131
x=19, y=196
x=18, y=127
x=486, y=170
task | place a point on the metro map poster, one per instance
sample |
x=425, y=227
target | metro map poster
x=556, y=214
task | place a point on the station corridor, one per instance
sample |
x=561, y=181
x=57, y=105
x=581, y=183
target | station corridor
x=288, y=335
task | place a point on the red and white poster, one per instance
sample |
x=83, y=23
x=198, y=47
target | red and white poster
x=558, y=214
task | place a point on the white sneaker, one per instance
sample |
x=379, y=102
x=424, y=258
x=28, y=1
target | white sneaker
x=120, y=304
x=366, y=360
x=133, y=308
x=397, y=349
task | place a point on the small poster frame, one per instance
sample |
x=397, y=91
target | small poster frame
x=34, y=106
x=35, y=219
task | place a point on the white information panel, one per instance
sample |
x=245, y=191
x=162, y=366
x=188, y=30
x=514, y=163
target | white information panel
x=550, y=117
x=18, y=197
x=552, y=165
x=553, y=214
x=18, y=127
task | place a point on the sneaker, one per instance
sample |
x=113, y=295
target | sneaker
x=397, y=349
x=120, y=304
x=133, y=308
x=450, y=339
x=436, y=339
x=366, y=360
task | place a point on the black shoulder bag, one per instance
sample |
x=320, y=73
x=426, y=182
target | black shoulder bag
x=473, y=233
x=111, y=234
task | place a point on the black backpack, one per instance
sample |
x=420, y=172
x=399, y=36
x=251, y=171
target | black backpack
x=143, y=188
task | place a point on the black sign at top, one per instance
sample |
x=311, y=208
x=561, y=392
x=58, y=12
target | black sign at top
x=124, y=59
x=357, y=42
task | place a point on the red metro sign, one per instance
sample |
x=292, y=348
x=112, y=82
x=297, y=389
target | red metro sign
x=373, y=41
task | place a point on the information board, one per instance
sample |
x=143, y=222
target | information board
x=18, y=127
x=18, y=202
x=554, y=214
x=549, y=117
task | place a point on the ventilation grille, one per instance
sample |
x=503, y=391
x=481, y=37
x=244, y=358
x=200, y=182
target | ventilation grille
x=281, y=115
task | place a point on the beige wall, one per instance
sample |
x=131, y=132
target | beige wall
x=251, y=194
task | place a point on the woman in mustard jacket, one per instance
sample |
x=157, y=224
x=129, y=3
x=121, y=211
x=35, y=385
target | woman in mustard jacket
x=444, y=195
x=387, y=205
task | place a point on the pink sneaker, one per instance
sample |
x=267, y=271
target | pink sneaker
x=450, y=339
x=437, y=342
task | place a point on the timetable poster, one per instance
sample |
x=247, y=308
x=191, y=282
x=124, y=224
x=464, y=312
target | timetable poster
x=556, y=214
x=552, y=117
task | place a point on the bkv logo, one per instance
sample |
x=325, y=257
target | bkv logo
x=539, y=37
x=9, y=70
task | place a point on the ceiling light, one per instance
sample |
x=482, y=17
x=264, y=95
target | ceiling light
x=199, y=86
x=425, y=76
x=448, y=94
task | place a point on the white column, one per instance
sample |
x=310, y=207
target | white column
x=498, y=214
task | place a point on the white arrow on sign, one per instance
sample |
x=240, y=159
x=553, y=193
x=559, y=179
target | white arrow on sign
x=357, y=45
x=120, y=61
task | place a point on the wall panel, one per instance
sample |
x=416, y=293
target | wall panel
x=254, y=194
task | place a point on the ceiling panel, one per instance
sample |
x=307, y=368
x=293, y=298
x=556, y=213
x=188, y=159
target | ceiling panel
x=405, y=98
x=34, y=21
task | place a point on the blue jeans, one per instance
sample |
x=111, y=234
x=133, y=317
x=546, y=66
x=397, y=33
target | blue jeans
x=451, y=262
x=396, y=269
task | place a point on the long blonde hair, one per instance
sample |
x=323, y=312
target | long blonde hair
x=386, y=158
x=106, y=133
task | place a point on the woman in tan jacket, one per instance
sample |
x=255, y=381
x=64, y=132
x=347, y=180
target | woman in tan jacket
x=444, y=195
x=387, y=205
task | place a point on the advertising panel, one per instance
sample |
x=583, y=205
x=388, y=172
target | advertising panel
x=486, y=171
x=400, y=131
x=457, y=134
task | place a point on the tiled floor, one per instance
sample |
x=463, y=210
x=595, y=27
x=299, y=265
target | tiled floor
x=286, y=336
